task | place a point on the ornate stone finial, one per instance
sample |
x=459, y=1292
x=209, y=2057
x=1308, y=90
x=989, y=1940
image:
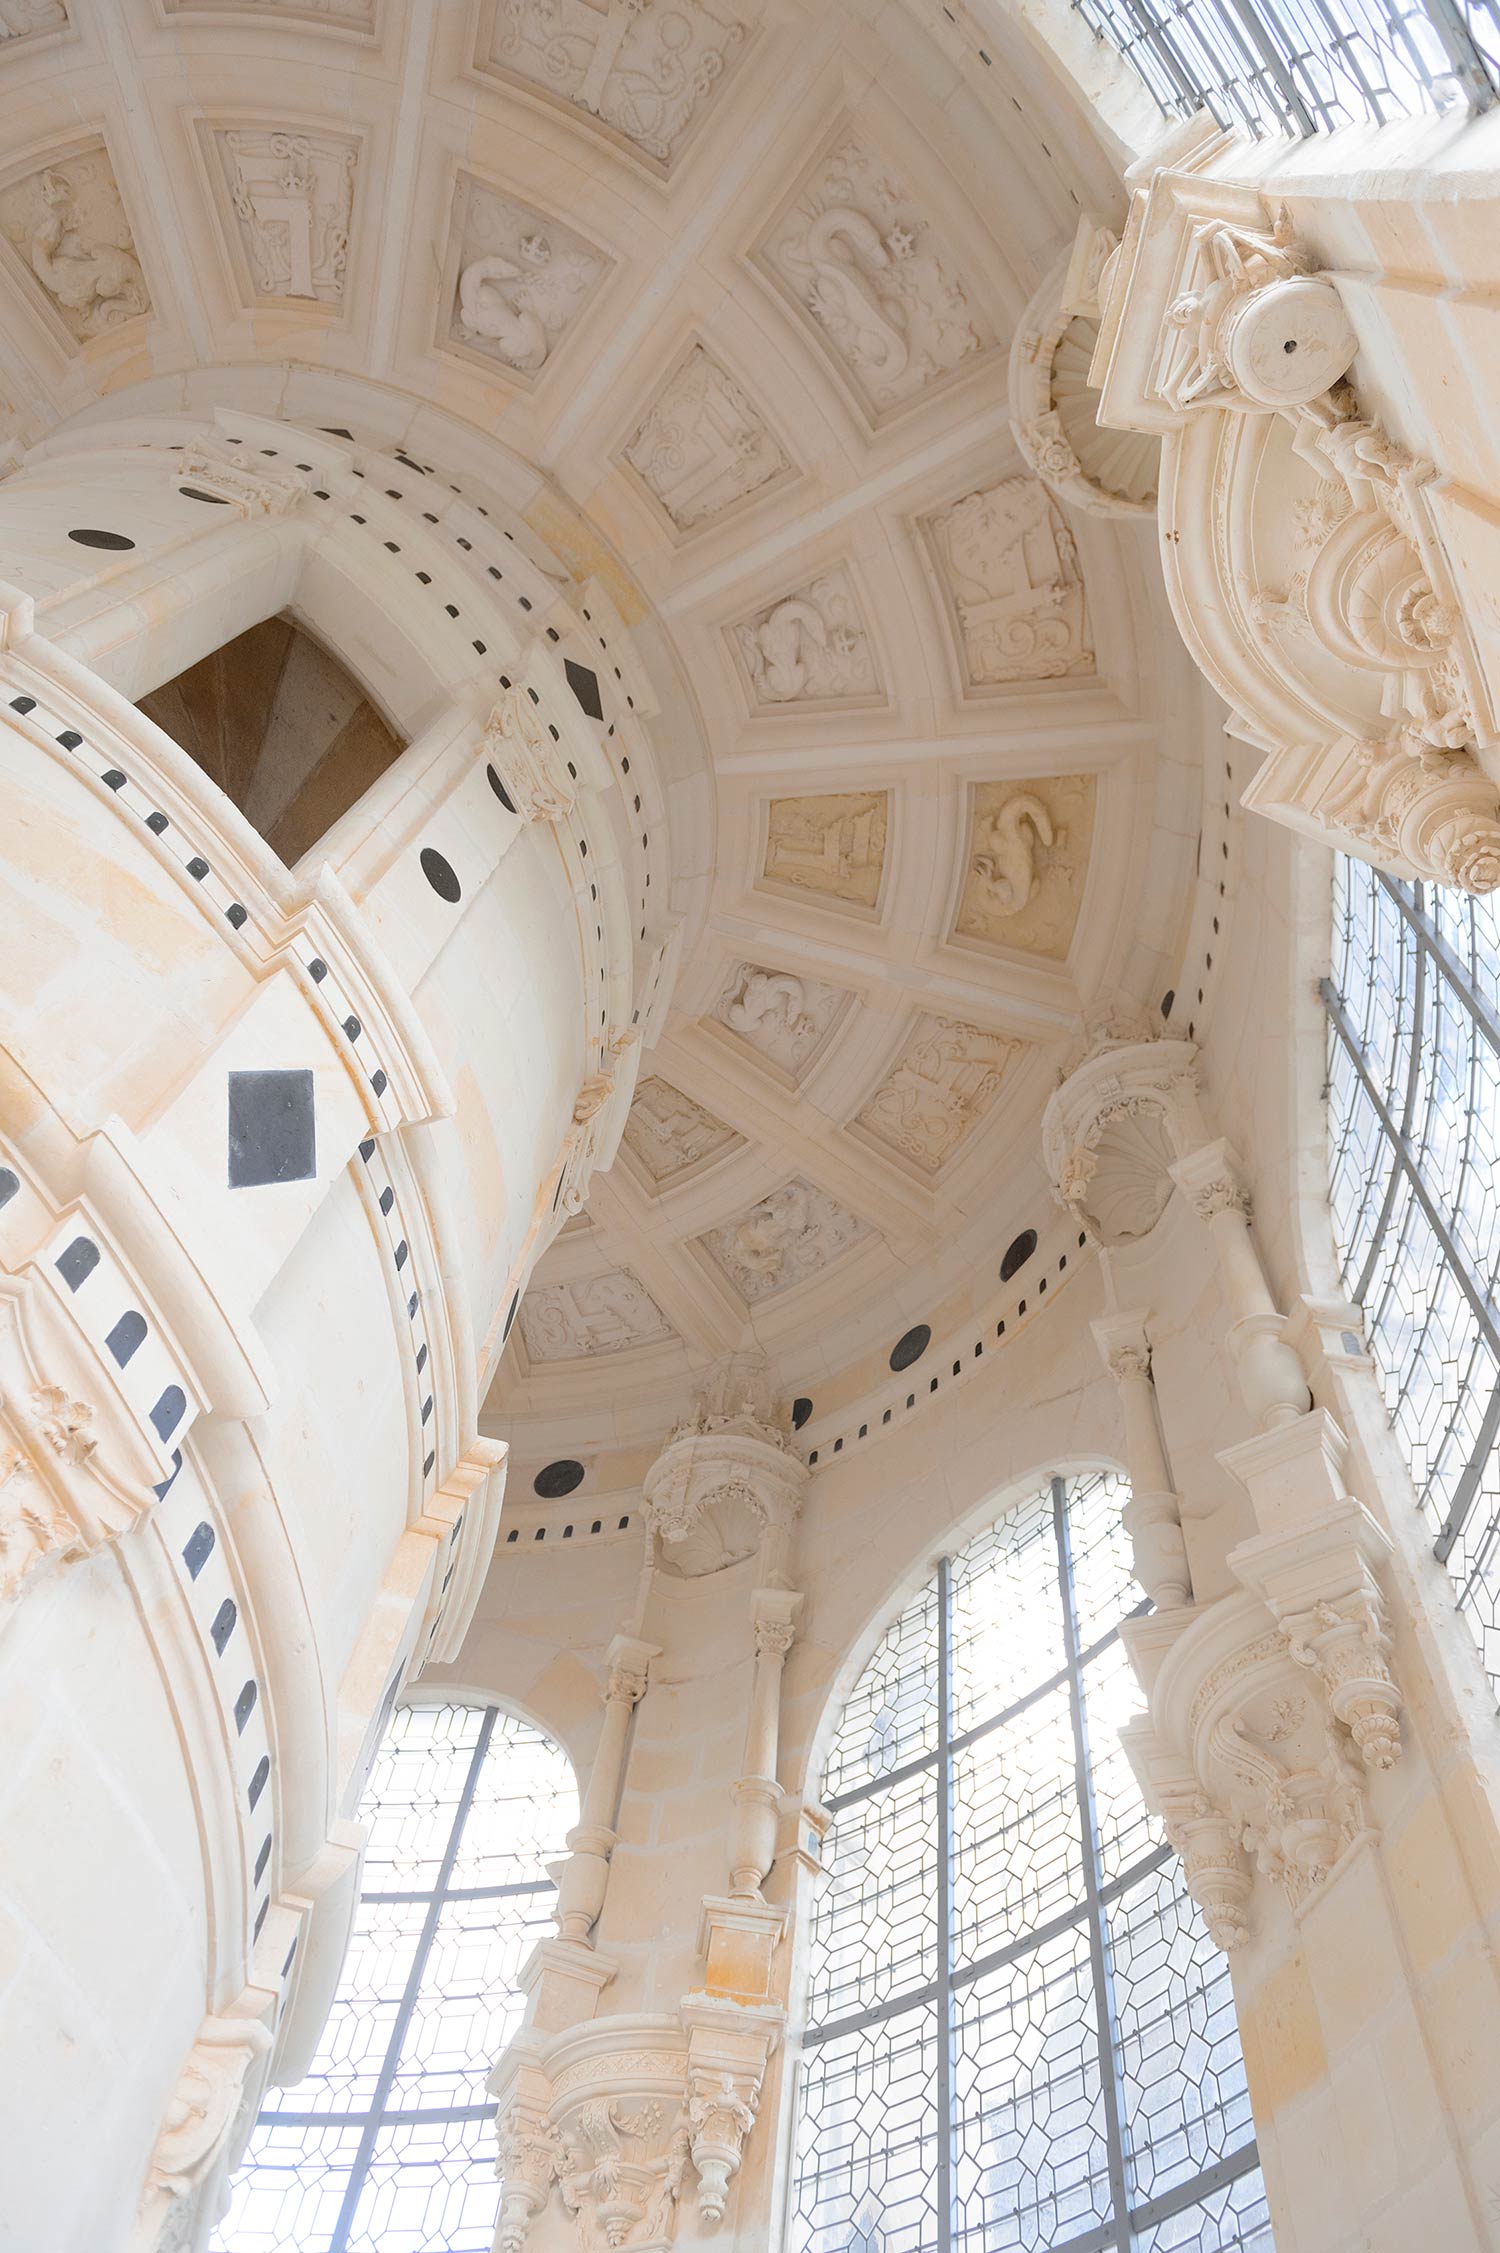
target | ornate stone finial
x=720, y=2117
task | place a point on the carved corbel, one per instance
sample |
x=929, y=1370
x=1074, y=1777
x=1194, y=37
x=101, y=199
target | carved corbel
x=1112, y=1131
x=526, y=2164
x=1053, y=406
x=729, y=1478
x=720, y=2117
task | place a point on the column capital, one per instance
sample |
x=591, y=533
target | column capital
x=628, y=1660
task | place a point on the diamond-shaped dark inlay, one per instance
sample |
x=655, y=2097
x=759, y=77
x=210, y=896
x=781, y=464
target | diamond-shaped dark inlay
x=585, y=686
x=272, y=1135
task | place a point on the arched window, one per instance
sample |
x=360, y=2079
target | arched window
x=1414, y=1135
x=1020, y=2039
x=388, y=2146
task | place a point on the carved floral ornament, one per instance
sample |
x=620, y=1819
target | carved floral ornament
x=1317, y=569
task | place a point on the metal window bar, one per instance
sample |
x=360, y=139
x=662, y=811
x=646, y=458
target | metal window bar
x=1130, y=2215
x=386, y=2107
x=1306, y=66
x=1434, y=1210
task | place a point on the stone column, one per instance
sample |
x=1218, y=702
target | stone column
x=1153, y=1516
x=1270, y=1375
x=757, y=1795
x=582, y=1879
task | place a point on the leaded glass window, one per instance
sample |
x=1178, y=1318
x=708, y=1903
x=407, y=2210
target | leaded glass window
x=388, y=2146
x=1020, y=2038
x=1414, y=1150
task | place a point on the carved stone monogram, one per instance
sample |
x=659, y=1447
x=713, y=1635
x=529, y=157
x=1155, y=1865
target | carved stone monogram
x=528, y=758
x=857, y=253
x=254, y=487
x=28, y=19
x=292, y=194
x=788, y=1237
x=945, y=1079
x=1009, y=575
x=810, y=646
x=703, y=448
x=1028, y=855
x=833, y=845
x=597, y=1314
x=647, y=69
x=67, y=226
x=786, y=1019
x=671, y=1134
x=522, y=280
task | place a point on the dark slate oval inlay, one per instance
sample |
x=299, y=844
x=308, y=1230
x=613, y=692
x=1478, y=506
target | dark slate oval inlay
x=244, y=1705
x=441, y=876
x=126, y=1336
x=1167, y=1001
x=260, y=1779
x=223, y=1626
x=557, y=1479
x=196, y=493
x=161, y=1492
x=169, y=1411
x=70, y=739
x=510, y=1316
x=89, y=537
x=1017, y=1254
x=500, y=790
x=235, y=914
x=8, y=1185
x=197, y=1548
x=262, y=1858
x=112, y=779
x=78, y=1262
x=801, y=1410
x=260, y=1917
x=911, y=1347
x=197, y=868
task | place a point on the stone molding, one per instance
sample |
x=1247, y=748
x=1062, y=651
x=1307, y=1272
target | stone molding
x=1315, y=567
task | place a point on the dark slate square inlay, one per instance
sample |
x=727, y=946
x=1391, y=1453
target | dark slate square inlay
x=585, y=686
x=272, y=1133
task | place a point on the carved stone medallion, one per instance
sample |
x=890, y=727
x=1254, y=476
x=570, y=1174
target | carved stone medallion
x=1028, y=856
x=596, y=1314
x=832, y=845
x=784, y=1240
x=66, y=226
x=810, y=646
x=703, y=448
x=858, y=255
x=645, y=70
x=519, y=282
x=672, y=1135
x=1008, y=571
x=943, y=1082
x=291, y=195
x=786, y=1019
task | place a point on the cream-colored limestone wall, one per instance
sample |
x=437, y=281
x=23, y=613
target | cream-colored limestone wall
x=233, y=1525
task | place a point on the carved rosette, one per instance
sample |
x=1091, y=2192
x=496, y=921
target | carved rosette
x=1267, y=1713
x=1315, y=567
x=1114, y=1128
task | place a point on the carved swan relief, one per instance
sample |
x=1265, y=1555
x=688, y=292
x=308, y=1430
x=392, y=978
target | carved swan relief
x=845, y=250
x=492, y=303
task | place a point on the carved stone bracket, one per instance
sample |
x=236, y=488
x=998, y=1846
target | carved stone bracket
x=210, y=2109
x=1314, y=566
x=1112, y=1131
x=1268, y=1712
x=729, y=1479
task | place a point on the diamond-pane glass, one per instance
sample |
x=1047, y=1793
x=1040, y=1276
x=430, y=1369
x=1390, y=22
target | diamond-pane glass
x=1019, y=2037
x=388, y=2145
x=1414, y=1143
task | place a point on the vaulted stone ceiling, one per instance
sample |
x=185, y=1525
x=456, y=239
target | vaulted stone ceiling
x=722, y=292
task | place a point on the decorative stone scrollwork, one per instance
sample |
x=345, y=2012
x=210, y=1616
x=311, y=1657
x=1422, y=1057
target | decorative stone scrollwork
x=1314, y=566
x=261, y=491
x=529, y=761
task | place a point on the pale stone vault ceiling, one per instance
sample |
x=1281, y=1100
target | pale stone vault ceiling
x=719, y=294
